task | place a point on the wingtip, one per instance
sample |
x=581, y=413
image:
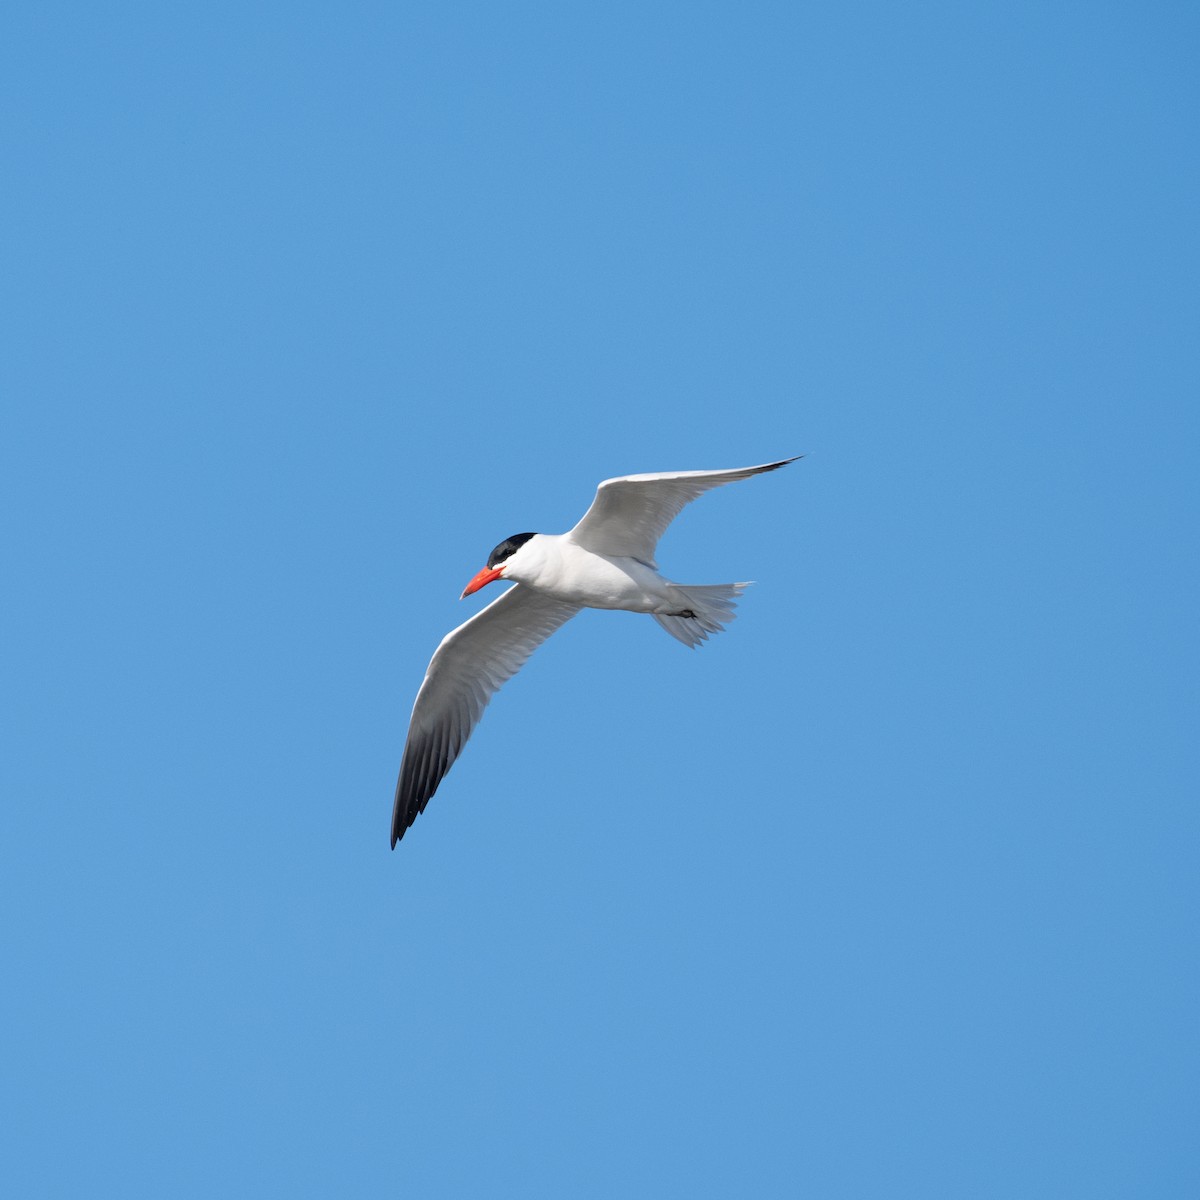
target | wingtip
x=399, y=829
x=783, y=462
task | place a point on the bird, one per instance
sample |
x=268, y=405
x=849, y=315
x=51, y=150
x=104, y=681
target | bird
x=606, y=561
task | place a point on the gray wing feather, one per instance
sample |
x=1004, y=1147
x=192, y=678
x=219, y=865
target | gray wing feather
x=472, y=663
x=631, y=513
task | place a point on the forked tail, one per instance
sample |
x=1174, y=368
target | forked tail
x=703, y=610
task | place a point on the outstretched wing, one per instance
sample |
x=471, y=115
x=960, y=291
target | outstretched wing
x=468, y=668
x=631, y=513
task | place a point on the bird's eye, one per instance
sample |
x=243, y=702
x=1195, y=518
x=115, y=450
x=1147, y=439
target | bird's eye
x=507, y=547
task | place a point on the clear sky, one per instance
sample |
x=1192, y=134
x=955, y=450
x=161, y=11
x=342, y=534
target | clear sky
x=891, y=890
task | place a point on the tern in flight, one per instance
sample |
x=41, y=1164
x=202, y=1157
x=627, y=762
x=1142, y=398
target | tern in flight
x=606, y=561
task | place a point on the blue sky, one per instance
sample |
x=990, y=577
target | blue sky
x=888, y=891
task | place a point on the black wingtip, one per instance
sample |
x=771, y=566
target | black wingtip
x=399, y=828
x=399, y=825
x=783, y=462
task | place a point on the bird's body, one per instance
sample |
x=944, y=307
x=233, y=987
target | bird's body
x=557, y=566
x=606, y=561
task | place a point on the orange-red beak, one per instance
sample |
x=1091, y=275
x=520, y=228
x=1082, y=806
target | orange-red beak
x=482, y=579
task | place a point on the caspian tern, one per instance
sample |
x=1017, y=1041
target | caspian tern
x=606, y=561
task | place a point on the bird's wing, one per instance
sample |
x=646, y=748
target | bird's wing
x=631, y=513
x=467, y=669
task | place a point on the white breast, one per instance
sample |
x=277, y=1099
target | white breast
x=556, y=566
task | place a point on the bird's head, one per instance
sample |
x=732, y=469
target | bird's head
x=497, y=561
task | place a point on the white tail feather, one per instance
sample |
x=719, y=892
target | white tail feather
x=712, y=606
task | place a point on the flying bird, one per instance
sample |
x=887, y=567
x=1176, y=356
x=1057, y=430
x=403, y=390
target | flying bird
x=606, y=561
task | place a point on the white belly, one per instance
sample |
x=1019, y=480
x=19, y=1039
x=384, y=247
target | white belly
x=577, y=576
